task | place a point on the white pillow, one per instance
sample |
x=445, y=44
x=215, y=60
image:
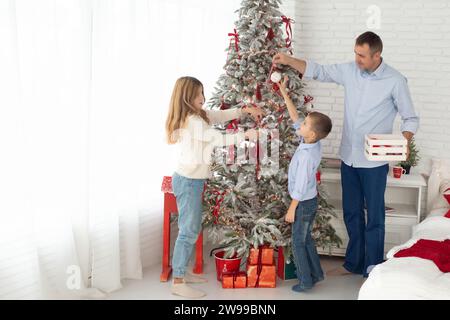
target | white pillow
x=438, y=212
x=441, y=202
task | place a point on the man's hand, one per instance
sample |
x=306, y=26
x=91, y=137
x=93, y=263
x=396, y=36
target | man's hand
x=290, y=215
x=408, y=136
x=281, y=58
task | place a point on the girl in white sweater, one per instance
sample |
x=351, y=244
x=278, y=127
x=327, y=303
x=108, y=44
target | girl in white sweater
x=189, y=126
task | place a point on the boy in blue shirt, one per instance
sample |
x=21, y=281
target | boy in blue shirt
x=303, y=191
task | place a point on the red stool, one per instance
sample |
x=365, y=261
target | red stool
x=170, y=207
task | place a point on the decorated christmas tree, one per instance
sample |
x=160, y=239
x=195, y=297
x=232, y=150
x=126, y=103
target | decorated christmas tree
x=247, y=197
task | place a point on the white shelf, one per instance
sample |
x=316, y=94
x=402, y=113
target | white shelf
x=401, y=209
x=407, y=180
x=403, y=195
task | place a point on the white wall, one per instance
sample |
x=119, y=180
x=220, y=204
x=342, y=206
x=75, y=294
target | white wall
x=416, y=42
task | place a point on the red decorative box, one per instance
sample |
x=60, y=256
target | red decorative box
x=262, y=276
x=234, y=280
x=264, y=253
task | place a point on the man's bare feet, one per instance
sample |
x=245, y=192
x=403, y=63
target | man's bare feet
x=339, y=271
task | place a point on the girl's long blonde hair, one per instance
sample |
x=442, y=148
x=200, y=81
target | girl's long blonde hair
x=183, y=95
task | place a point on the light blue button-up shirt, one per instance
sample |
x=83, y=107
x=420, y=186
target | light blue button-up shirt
x=302, y=183
x=372, y=101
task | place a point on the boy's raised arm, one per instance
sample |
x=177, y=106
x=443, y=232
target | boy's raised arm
x=290, y=105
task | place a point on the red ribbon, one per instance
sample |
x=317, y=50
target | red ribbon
x=307, y=99
x=270, y=34
x=258, y=167
x=236, y=40
x=219, y=199
x=280, y=118
x=258, y=92
x=233, y=125
x=287, y=21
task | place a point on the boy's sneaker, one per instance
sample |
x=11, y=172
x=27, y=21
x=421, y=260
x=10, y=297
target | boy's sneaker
x=318, y=280
x=299, y=288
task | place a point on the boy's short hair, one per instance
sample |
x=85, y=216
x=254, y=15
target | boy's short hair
x=321, y=124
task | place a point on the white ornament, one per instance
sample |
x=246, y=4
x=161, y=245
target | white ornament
x=275, y=77
x=308, y=106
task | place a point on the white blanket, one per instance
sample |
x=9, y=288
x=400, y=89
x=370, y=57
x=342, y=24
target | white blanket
x=411, y=277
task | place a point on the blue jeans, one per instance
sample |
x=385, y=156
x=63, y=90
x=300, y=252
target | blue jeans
x=188, y=193
x=364, y=187
x=304, y=250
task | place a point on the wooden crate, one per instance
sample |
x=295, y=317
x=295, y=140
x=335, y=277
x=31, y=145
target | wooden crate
x=385, y=147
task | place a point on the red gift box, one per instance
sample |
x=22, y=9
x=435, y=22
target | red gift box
x=264, y=253
x=261, y=276
x=234, y=280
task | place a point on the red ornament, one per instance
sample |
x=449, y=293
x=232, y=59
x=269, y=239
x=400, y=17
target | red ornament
x=318, y=177
x=275, y=87
x=270, y=34
x=258, y=92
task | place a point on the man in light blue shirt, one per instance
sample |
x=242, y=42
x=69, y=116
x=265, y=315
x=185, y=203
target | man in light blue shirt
x=374, y=94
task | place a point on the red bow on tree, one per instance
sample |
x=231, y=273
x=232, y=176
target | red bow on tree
x=236, y=41
x=307, y=99
x=287, y=21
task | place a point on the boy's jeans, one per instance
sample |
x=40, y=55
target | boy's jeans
x=304, y=250
x=189, y=203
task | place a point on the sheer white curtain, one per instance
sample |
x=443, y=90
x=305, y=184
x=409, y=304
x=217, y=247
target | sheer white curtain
x=84, y=93
x=84, y=89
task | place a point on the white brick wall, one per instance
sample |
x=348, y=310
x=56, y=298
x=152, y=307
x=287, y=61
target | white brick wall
x=416, y=37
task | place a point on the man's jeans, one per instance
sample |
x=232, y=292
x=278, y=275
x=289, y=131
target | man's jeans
x=306, y=259
x=188, y=193
x=364, y=187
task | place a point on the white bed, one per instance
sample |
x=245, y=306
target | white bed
x=410, y=277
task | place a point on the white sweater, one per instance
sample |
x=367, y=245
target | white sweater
x=198, y=139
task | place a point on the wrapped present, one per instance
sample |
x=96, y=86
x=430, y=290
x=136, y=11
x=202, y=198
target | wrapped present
x=264, y=253
x=285, y=268
x=167, y=185
x=261, y=276
x=234, y=280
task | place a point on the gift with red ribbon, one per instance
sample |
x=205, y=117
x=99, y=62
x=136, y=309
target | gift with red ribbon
x=234, y=280
x=261, y=276
x=261, y=272
x=263, y=255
